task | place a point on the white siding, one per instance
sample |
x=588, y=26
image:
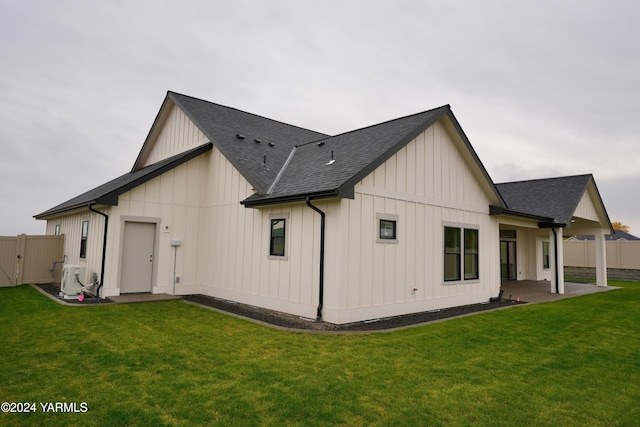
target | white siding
x=177, y=135
x=586, y=208
x=71, y=227
x=427, y=184
x=233, y=261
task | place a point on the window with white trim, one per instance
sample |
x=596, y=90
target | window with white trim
x=57, y=231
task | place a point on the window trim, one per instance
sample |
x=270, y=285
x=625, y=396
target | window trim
x=284, y=216
x=84, y=235
x=56, y=231
x=389, y=218
x=461, y=254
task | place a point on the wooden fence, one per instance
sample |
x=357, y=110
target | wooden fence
x=30, y=259
x=621, y=254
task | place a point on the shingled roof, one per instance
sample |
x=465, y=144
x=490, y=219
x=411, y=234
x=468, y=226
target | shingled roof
x=555, y=198
x=333, y=165
x=257, y=146
x=107, y=194
x=286, y=163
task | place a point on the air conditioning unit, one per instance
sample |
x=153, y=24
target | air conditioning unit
x=70, y=286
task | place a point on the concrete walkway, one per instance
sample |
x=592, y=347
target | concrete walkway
x=534, y=291
x=128, y=298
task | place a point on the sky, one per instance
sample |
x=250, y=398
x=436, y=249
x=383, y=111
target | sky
x=541, y=88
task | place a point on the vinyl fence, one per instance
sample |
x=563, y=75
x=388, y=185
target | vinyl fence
x=621, y=254
x=30, y=259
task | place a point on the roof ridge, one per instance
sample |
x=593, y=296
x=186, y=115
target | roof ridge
x=546, y=179
x=246, y=112
x=446, y=106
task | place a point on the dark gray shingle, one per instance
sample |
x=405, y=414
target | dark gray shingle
x=556, y=198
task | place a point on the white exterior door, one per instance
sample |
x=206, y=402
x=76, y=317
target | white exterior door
x=137, y=257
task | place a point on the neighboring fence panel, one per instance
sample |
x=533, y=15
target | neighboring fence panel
x=29, y=259
x=8, y=260
x=622, y=254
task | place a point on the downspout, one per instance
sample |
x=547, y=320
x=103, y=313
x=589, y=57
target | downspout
x=104, y=246
x=321, y=284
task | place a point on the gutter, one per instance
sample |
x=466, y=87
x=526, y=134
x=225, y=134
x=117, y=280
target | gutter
x=259, y=201
x=321, y=279
x=104, y=245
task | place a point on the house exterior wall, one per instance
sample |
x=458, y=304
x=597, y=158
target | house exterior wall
x=71, y=227
x=428, y=185
x=172, y=202
x=177, y=135
x=233, y=256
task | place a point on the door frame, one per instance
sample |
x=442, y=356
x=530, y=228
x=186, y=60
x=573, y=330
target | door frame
x=509, y=242
x=154, y=268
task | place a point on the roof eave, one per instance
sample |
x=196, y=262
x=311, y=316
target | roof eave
x=258, y=202
x=500, y=210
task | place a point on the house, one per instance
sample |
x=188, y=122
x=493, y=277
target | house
x=390, y=219
x=617, y=235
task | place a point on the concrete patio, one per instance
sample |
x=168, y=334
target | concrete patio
x=142, y=297
x=540, y=291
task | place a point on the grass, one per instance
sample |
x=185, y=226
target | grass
x=572, y=362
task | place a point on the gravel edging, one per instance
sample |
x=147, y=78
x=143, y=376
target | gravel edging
x=293, y=322
x=54, y=290
x=289, y=321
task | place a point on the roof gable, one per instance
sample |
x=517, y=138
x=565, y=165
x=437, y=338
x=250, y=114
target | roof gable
x=107, y=194
x=556, y=198
x=257, y=146
x=332, y=166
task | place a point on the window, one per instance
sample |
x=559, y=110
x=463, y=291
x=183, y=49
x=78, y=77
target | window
x=387, y=231
x=455, y=266
x=277, y=244
x=57, y=232
x=83, y=239
x=451, y=253
x=471, y=254
x=545, y=255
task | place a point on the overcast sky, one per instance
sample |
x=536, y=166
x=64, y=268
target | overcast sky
x=541, y=88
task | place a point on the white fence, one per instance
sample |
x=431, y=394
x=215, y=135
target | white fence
x=623, y=254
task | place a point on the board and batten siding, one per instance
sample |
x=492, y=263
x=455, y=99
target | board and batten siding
x=427, y=184
x=172, y=202
x=233, y=256
x=71, y=227
x=224, y=246
x=177, y=135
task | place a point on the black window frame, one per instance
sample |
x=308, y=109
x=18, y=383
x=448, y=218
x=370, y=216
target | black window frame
x=394, y=229
x=275, y=238
x=546, y=257
x=461, y=253
x=84, y=235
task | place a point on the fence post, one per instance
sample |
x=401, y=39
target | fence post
x=20, y=250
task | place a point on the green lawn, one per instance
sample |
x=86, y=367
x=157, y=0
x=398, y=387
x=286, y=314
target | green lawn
x=570, y=362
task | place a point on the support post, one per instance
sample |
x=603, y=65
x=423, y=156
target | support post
x=601, y=258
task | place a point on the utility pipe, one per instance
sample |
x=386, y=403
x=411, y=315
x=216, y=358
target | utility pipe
x=321, y=284
x=104, y=246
